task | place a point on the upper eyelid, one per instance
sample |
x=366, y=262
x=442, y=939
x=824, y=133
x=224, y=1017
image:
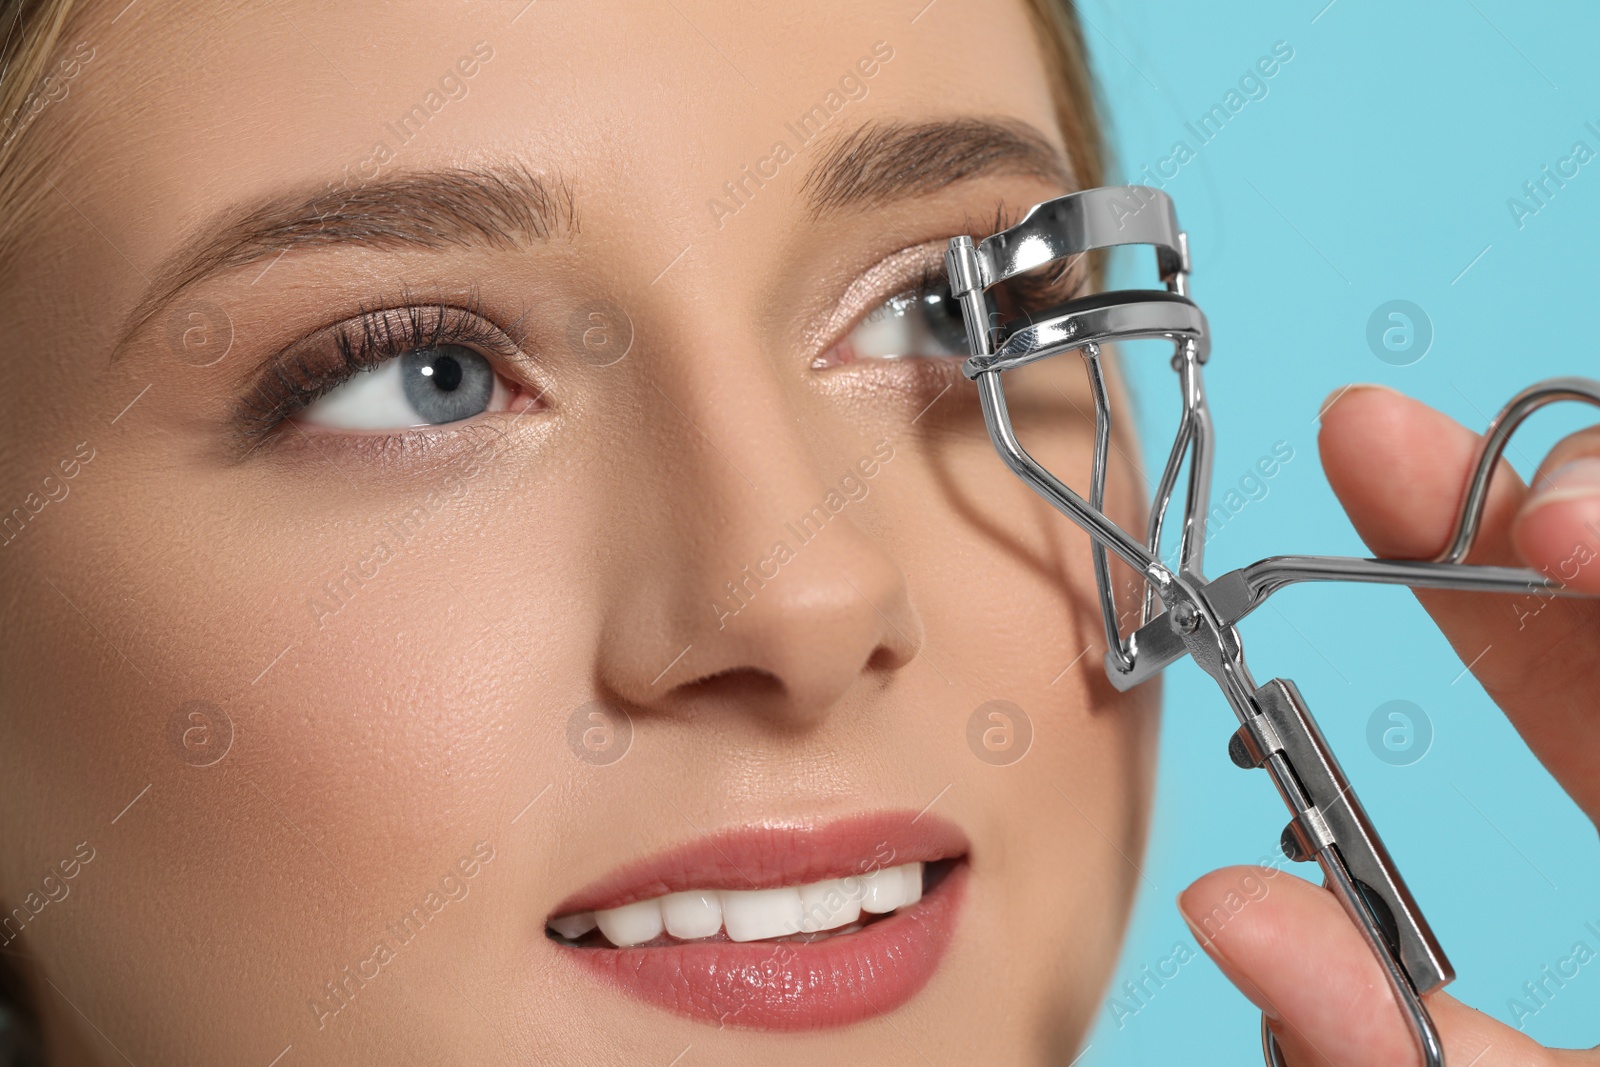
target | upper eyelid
x=894, y=275
x=291, y=381
x=922, y=271
x=920, y=264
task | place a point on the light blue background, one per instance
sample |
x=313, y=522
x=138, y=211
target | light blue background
x=1377, y=168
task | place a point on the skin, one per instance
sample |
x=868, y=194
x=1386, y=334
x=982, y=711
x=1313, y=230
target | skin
x=375, y=745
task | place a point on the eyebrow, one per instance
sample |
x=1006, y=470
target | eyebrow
x=505, y=206
x=881, y=162
x=499, y=206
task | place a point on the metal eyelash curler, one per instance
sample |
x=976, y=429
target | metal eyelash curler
x=1197, y=616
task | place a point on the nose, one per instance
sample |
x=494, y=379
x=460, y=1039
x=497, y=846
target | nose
x=750, y=586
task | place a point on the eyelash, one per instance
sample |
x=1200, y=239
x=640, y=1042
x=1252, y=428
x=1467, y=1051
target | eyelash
x=315, y=367
x=1037, y=291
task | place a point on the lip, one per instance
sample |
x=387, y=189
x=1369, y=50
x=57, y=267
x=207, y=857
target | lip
x=785, y=985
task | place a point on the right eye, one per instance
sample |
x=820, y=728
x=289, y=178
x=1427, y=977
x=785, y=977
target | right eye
x=429, y=386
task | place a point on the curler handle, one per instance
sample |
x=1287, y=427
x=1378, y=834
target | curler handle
x=1495, y=437
x=1331, y=827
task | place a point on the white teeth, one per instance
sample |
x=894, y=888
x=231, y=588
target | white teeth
x=631, y=924
x=912, y=884
x=573, y=927
x=752, y=914
x=885, y=891
x=828, y=906
x=697, y=913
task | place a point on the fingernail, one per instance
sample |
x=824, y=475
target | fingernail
x=1576, y=479
x=1225, y=965
x=1343, y=391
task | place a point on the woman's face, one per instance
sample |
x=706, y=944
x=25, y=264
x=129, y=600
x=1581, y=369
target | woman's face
x=345, y=701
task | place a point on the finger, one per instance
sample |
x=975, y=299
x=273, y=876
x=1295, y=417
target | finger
x=1399, y=468
x=1289, y=947
x=1558, y=526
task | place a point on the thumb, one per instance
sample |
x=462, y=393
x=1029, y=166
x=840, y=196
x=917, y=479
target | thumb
x=1289, y=947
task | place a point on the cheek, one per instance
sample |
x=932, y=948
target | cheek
x=1005, y=588
x=340, y=763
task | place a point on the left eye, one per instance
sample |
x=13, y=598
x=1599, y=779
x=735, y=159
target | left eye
x=423, y=387
x=926, y=323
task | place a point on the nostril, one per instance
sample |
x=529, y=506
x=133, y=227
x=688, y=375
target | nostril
x=743, y=683
x=884, y=658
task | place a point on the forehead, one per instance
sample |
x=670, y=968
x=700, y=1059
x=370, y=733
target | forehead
x=648, y=109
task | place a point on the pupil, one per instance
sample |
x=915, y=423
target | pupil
x=446, y=373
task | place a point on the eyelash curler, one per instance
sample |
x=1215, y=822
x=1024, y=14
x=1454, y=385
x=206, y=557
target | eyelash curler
x=1184, y=613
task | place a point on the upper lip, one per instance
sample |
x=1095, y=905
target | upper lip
x=776, y=853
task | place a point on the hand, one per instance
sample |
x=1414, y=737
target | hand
x=1399, y=467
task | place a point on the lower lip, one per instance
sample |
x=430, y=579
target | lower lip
x=792, y=985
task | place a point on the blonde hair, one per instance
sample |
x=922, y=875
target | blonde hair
x=31, y=31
